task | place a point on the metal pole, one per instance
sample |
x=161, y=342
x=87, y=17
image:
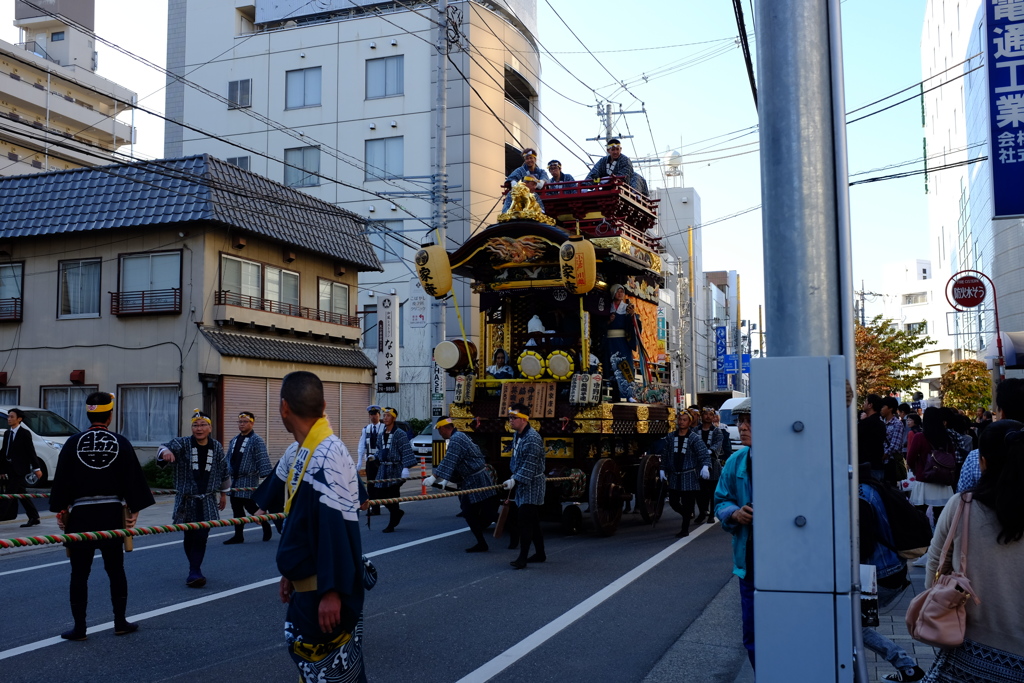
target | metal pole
x=440, y=172
x=809, y=301
x=693, y=317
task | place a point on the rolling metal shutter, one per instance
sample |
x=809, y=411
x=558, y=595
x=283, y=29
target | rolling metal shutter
x=354, y=399
x=244, y=393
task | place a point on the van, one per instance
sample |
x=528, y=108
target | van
x=49, y=432
x=727, y=419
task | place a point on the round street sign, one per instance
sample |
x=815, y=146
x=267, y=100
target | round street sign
x=968, y=291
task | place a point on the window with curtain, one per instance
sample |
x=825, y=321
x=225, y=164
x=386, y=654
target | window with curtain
x=385, y=158
x=241, y=278
x=302, y=88
x=79, y=289
x=240, y=93
x=385, y=77
x=282, y=287
x=333, y=300
x=148, y=414
x=69, y=403
x=302, y=167
x=10, y=396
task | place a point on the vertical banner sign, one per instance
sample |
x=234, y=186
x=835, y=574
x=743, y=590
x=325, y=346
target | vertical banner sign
x=1005, y=56
x=722, y=380
x=436, y=390
x=417, y=304
x=387, y=344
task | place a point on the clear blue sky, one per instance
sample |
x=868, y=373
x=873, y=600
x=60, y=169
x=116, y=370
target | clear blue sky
x=692, y=93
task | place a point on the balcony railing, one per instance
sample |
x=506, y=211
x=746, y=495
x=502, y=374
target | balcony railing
x=149, y=302
x=10, y=310
x=225, y=298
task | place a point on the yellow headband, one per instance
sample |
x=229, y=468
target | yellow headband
x=196, y=417
x=390, y=411
x=529, y=179
x=515, y=413
x=250, y=418
x=444, y=422
x=105, y=408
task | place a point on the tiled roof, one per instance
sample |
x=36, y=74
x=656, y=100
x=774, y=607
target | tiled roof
x=271, y=348
x=171, y=191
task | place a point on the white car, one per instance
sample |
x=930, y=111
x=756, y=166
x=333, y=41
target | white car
x=423, y=443
x=49, y=432
x=727, y=419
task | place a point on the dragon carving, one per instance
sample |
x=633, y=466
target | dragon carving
x=524, y=206
x=512, y=250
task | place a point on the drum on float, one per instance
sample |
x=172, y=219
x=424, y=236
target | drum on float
x=454, y=355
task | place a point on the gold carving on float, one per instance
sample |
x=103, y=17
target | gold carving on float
x=463, y=424
x=642, y=412
x=625, y=246
x=524, y=206
x=457, y=411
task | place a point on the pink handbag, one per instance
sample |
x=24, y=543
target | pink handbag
x=937, y=616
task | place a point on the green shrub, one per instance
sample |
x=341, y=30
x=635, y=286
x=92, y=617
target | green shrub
x=158, y=478
x=418, y=424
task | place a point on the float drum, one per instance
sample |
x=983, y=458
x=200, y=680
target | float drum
x=454, y=355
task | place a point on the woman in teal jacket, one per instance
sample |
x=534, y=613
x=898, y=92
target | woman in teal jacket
x=734, y=506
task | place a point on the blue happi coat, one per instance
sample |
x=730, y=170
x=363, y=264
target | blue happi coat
x=682, y=458
x=253, y=466
x=394, y=454
x=194, y=503
x=528, y=467
x=463, y=464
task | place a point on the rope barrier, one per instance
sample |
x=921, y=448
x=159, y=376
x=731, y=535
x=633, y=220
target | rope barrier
x=450, y=494
x=155, y=492
x=138, y=531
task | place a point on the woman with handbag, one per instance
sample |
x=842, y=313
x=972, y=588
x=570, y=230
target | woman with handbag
x=989, y=550
x=934, y=438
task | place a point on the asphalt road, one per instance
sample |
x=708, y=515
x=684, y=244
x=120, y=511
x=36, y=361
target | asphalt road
x=600, y=609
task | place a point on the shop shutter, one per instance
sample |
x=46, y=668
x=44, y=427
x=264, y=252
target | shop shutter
x=277, y=437
x=332, y=397
x=354, y=399
x=244, y=393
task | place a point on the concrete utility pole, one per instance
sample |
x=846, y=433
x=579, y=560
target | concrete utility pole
x=807, y=577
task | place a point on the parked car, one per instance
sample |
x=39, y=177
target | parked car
x=727, y=419
x=423, y=443
x=49, y=432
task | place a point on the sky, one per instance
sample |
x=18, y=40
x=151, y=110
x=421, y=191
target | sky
x=696, y=88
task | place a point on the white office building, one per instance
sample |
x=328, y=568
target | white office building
x=339, y=98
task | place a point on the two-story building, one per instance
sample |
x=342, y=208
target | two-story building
x=179, y=284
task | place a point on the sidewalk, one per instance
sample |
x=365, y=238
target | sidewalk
x=711, y=649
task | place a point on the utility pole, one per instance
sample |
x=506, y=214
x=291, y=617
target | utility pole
x=605, y=115
x=862, y=294
x=440, y=189
x=693, y=314
x=807, y=584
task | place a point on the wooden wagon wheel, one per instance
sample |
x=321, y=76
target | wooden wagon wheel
x=606, y=496
x=650, y=490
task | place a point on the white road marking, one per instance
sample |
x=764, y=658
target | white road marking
x=512, y=655
x=56, y=640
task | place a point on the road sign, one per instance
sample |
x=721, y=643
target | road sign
x=968, y=291
x=745, y=364
x=732, y=364
x=722, y=380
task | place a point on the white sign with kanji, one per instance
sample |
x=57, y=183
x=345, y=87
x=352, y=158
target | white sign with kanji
x=387, y=341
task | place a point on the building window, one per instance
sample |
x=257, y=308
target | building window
x=240, y=162
x=302, y=167
x=382, y=238
x=385, y=158
x=10, y=396
x=243, y=279
x=148, y=414
x=916, y=298
x=385, y=77
x=56, y=36
x=916, y=328
x=11, y=286
x=518, y=90
x=79, y=289
x=150, y=283
x=240, y=94
x=333, y=297
x=281, y=287
x=370, y=326
x=302, y=88
x=69, y=403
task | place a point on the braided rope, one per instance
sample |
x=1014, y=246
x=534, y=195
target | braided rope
x=138, y=531
x=450, y=494
x=155, y=492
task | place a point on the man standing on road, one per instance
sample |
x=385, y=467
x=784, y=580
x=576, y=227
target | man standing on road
x=18, y=455
x=735, y=507
x=248, y=462
x=320, y=553
x=529, y=482
x=98, y=485
x=369, y=443
x=463, y=464
x=200, y=471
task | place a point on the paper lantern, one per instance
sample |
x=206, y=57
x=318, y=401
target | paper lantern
x=434, y=270
x=579, y=265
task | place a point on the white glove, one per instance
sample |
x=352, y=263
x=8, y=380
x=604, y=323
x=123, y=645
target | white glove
x=405, y=473
x=661, y=475
x=705, y=473
x=429, y=481
x=540, y=183
x=509, y=484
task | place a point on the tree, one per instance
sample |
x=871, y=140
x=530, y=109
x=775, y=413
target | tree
x=885, y=358
x=966, y=385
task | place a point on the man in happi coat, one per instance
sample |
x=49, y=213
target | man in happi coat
x=98, y=485
x=200, y=474
x=529, y=482
x=463, y=465
x=320, y=552
x=248, y=462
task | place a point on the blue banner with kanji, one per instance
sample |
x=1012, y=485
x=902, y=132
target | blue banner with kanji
x=1005, y=56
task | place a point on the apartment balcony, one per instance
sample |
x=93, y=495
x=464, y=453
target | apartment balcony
x=149, y=302
x=10, y=310
x=256, y=312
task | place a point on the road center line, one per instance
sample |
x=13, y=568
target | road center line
x=531, y=642
x=56, y=640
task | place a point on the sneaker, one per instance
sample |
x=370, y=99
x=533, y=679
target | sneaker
x=914, y=674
